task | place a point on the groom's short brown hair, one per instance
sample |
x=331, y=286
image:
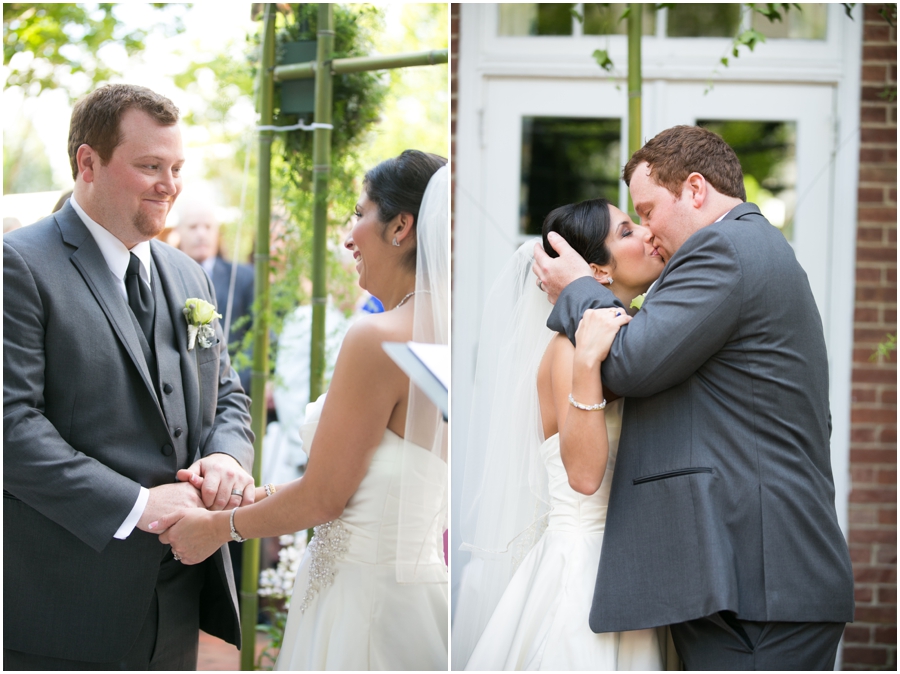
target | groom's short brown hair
x=675, y=153
x=96, y=117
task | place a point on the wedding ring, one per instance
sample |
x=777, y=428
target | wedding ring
x=237, y=492
x=541, y=285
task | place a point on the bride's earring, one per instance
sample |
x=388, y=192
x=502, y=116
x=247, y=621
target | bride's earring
x=395, y=242
x=609, y=281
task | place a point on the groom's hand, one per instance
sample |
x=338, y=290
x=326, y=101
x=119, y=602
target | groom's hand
x=167, y=498
x=555, y=273
x=221, y=476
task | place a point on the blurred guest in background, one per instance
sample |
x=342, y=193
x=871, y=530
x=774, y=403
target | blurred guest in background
x=198, y=234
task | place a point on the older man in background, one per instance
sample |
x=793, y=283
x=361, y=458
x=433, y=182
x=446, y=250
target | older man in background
x=198, y=233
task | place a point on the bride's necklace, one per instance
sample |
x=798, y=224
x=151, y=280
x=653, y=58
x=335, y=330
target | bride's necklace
x=403, y=301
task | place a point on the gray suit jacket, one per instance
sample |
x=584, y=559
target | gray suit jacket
x=723, y=497
x=85, y=426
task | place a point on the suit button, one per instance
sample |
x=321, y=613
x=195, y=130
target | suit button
x=178, y=432
x=167, y=450
x=167, y=388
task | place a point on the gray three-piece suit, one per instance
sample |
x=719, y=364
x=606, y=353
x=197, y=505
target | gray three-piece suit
x=723, y=497
x=86, y=423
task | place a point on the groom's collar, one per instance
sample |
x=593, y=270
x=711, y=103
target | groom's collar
x=115, y=253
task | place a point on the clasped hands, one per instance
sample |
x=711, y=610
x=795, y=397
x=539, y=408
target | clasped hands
x=216, y=482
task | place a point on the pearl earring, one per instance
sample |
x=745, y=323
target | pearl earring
x=609, y=281
x=395, y=243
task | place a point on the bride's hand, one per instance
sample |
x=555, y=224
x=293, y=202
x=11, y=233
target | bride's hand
x=194, y=534
x=595, y=334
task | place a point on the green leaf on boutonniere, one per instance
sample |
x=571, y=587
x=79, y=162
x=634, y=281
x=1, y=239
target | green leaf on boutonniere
x=638, y=302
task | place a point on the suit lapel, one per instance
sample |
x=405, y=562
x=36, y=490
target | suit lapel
x=91, y=264
x=176, y=292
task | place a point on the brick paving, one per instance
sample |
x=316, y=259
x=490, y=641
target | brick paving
x=217, y=656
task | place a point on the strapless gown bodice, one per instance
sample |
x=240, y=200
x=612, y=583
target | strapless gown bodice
x=571, y=512
x=348, y=611
x=541, y=621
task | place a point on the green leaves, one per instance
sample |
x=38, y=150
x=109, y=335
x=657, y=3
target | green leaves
x=601, y=56
x=45, y=44
x=748, y=38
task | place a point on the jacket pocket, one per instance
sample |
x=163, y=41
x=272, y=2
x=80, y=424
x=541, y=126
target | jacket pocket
x=671, y=473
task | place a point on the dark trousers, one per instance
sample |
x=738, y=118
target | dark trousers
x=168, y=639
x=724, y=642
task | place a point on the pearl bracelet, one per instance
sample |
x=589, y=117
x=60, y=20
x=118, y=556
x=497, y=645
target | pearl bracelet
x=587, y=408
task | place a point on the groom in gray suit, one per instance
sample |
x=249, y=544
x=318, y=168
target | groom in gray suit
x=721, y=516
x=103, y=403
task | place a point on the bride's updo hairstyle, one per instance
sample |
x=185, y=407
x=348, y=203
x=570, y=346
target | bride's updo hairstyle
x=584, y=226
x=397, y=186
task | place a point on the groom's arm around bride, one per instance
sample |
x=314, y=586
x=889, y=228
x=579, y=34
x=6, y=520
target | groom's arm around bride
x=104, y=402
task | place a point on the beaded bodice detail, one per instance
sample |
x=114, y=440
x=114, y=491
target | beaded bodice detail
x=329, y=543
x=366, y=532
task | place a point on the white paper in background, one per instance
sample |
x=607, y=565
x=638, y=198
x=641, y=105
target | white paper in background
x=436, y=357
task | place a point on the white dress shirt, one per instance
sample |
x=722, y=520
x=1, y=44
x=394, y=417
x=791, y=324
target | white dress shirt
x=117, y=257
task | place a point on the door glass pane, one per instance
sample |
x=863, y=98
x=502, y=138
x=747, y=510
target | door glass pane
x=565, y=160
x=768, y=155
x=809, y=22
x=603, y=19
x=536, y=18
x=704, y=20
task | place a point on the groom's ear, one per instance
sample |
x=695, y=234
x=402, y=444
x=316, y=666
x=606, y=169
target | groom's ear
x=84, y=160
x=698, y=188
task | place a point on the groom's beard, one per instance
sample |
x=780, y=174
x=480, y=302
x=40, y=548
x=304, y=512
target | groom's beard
x=147, y=226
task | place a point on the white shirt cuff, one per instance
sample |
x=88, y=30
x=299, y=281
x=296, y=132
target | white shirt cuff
x=131, y=521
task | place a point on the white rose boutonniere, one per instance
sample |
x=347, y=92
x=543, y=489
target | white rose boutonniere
x=199, y=315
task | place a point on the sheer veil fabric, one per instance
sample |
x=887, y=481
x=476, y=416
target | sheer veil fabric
x=423, y=495
x=505, y=498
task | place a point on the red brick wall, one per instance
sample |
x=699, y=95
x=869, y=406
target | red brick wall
x=871, y=641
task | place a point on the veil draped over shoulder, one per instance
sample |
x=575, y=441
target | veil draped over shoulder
x=423, y=486
x=505, y=497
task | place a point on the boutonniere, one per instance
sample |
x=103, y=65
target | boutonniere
x=638, y=302
x=200, y=315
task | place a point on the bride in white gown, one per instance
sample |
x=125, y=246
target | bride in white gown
x=539, y=468
x=371, y=591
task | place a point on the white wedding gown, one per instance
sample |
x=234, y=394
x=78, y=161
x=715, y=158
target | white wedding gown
x=348, y=612
x=541, y=622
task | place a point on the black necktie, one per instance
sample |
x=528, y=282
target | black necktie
x=140, y=298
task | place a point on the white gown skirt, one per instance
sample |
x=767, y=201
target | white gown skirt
x=541, y=623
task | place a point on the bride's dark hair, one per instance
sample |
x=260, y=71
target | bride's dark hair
x=397, y=186
x=584, y=226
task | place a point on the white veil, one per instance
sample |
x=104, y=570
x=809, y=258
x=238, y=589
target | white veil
x=423, y=486
x=505, y=498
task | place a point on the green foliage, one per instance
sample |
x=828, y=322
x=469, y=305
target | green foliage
x=274, y=631
x=358, y=98
x=25, y=164
x=884, y=350
x=601, y=56
x=55, y=45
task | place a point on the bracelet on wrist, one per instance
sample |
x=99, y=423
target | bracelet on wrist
x=235, y=536
x=588, y=408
